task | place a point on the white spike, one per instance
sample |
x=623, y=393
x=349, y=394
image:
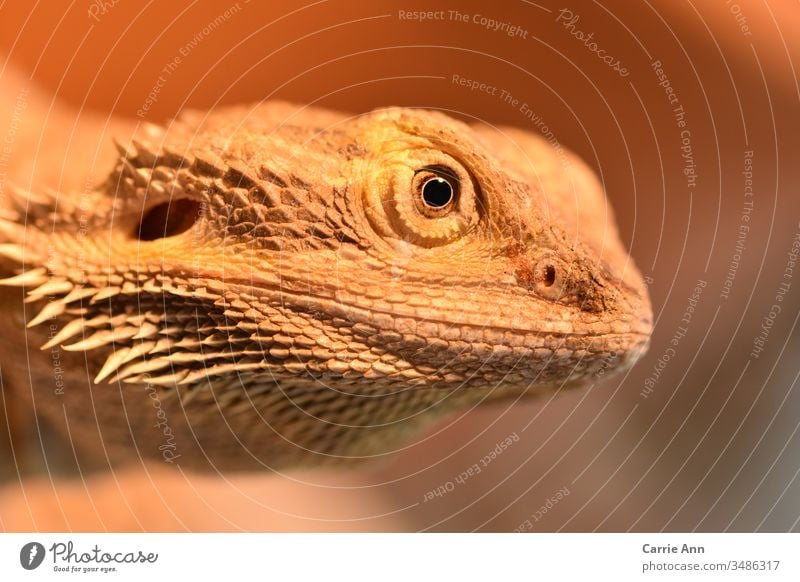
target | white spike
x=51, y=310
x=216, y=340
x=189, y=343
x=9, y=215
x=131, y=354
x=138, y=350
x=164, y=344
x=26, y=279
x=113, y=362
x=10, y=229
x=103, y=320
x=94, y=341
x=70, y=330
x=105, y=293
x=144, y=152
x=220, y=369
x=22, y=195
x=195, y=377
x=125, y=152
x=140, y=368
x=131, y=171
x=168, y=380
x=190, y=357
x=51, y=193
x=146, y=330
x=52, y=287
x=144, y=175
x=163, y=174
x=102, y=338
x=157, y=188
x=135, y=320
x=151, y=286
x=79, y=293
x=13, y=252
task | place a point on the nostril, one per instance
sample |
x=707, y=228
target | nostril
x=549, y=275
x=549, y=279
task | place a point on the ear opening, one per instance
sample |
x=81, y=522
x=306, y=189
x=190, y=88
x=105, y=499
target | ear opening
x=167, y=219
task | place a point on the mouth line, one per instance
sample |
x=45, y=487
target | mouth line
x=359, y=314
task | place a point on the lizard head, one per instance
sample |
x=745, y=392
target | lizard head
x=501, y=248
x=325, y=280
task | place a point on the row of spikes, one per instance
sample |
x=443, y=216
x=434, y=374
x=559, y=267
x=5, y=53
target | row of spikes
x=24, y=206
x=141, y=161
x=133, y=337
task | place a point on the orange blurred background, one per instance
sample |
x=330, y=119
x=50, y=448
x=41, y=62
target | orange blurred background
x=712, y=444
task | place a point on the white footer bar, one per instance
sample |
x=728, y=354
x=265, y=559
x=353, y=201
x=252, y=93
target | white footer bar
x=401, y=557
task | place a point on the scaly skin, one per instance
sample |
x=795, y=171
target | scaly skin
x=306, y=303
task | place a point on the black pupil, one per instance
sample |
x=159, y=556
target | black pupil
x=437, y=192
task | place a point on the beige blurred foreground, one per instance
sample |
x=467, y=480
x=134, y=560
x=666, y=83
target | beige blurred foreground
x=156, y=499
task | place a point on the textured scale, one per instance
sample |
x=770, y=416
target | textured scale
x=270, y=277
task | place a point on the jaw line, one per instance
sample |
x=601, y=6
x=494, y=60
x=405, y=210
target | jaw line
x=359, y=314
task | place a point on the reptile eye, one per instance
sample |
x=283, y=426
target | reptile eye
x=425, y=197
x=436, y=190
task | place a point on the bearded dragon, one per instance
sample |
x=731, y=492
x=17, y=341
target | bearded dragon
x=277, y=285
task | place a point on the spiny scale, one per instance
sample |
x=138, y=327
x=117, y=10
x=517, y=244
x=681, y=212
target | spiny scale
x=13, y=252
x=129, y=334
x=27, y=278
